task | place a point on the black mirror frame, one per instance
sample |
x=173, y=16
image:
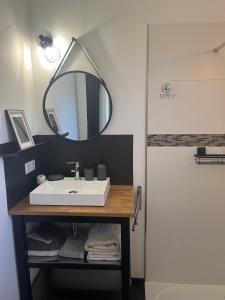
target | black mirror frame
x=46, y=115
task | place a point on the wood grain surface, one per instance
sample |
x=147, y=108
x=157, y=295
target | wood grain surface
x=120, y=203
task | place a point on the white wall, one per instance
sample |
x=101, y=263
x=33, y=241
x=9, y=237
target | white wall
x=185, y=220
x=183, y=55
x=185, y=217
x=16, y=92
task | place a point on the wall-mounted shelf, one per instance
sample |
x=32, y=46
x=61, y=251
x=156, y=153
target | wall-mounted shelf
x=210, y=159
x=14, y=152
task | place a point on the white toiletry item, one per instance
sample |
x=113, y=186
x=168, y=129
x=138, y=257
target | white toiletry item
x=40, y=179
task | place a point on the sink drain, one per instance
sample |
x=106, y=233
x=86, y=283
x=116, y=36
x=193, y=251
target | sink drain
x=73, y=192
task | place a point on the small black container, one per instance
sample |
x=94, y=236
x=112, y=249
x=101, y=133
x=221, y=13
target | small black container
x=89, y=174
x=201, y=151
x=101, y=172
x=55, y=177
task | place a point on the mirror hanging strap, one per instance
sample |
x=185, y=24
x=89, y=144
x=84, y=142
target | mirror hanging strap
x=73, y=41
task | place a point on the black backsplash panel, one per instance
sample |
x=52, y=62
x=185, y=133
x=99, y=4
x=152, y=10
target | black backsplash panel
x=19, y=185
x=116, y=151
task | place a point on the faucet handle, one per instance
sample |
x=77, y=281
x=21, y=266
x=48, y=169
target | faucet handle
x=76, y=163
x=70, y=162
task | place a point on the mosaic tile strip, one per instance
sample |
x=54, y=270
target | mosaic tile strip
x=193, y=140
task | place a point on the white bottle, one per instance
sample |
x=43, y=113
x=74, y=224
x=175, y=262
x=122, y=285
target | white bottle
x=40, y=179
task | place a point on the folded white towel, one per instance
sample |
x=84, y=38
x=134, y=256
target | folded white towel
x=104, y=257
x=72, y=249
x=105, y=251
x=103, y=237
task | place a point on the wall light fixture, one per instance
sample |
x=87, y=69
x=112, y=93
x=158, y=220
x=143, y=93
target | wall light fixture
x=51, y=52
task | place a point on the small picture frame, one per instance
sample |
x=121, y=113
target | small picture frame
x=20, y=127
x=53, y=120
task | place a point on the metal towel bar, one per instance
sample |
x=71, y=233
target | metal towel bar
x=138, y=207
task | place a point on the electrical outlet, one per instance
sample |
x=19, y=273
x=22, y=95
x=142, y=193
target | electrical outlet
x=33, y=167
x=29, y=166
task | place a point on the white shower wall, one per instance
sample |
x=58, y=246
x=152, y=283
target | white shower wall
x=185, y=201
x=186, y=205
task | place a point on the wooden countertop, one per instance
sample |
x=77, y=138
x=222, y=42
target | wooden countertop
x=120, y=203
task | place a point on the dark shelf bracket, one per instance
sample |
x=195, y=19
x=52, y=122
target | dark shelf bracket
x=18, y=153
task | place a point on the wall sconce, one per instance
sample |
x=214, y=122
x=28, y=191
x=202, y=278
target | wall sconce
x=167, y=91
x=51, y=53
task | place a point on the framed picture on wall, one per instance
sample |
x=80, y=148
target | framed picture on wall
x=20, y=127
x=53, y=120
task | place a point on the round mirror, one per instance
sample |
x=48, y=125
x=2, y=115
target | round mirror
x=77, y=106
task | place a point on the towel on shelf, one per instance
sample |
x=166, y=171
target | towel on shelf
x=105, y=255
x=44, y=258
x=113, y=256
x=35, y=236
x=72, y=248
x=45, y=240
x=46, y=233
x=103, y=242
x=95, y=257
x=103, y=237
x=37, y=248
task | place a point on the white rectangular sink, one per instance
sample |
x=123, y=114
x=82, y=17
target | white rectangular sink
x=71, y=192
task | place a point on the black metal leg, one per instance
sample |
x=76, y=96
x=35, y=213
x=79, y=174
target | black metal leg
x=21, y=259
x=125, y=251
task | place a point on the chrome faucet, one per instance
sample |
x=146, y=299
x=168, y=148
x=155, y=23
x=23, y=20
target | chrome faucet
x=76, y=171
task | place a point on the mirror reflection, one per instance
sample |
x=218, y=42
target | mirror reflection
x=77, y=105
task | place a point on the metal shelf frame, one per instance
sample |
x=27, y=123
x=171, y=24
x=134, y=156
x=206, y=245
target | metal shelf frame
x=210, y=159
x=24, y=263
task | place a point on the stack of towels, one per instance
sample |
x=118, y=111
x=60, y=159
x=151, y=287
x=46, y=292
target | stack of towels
x=52, y=242
x=46, y=240
x=103, y=242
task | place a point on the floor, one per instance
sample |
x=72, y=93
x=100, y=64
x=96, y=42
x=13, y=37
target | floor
x=165, y=291
x=137, y=293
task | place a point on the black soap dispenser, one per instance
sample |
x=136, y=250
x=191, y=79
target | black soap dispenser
x=101, y=171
